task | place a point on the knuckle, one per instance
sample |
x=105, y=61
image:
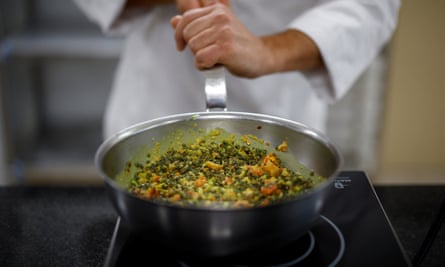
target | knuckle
x=186, y=34
x=225, y=32
x=202, y=64
x=192, y=43
x=226, y=45
x=220, y=17
x=205, y=60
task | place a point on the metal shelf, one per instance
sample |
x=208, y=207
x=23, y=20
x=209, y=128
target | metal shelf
x=60, y=45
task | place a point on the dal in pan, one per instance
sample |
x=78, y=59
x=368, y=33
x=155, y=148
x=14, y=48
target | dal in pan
x=216, y=169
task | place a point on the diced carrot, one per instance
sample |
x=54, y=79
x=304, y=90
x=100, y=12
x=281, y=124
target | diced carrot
x=175, y=198
x=269, y=189
x=228, y=180
x=255, y=170
x=151, y=193
x=271, y=169
x=270, y=165
x=200, y=181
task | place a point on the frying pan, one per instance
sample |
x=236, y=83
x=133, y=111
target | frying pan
x=207, y=231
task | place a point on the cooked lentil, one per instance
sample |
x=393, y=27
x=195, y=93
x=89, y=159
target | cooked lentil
x=218, y=172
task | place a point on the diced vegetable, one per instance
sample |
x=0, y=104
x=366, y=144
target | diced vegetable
x=212, y=171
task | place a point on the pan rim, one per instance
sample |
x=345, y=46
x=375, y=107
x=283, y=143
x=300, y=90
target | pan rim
x=134, y=129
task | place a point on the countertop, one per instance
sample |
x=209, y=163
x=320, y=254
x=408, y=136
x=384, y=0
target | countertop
x=72, y=226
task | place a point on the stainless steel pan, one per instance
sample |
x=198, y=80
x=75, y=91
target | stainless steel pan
x=219, y=232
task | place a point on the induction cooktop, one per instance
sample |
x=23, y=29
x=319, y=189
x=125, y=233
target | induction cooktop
x=353, y=230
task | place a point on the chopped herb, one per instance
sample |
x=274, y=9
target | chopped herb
x=215, y=171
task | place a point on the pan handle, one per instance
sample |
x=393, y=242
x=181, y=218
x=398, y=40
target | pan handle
x=215, y=89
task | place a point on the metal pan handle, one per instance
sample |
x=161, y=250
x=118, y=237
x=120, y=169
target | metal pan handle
x=215, y=89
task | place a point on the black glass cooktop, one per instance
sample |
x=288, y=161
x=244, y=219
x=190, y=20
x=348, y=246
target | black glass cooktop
x=353, y=230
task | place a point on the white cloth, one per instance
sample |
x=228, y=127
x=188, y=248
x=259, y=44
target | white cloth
x=154, y=79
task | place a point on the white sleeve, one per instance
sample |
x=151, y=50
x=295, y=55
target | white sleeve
x=349, y=34
x=108, y=14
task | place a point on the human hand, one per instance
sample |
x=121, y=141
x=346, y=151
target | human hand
x=216, y=36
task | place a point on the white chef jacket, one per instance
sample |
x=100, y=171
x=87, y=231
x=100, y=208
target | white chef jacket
x=153, y=79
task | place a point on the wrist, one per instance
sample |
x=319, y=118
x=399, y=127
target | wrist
x=291, y=50
x=271, y=61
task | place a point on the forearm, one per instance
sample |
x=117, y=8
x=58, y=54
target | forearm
x=216, y=36
x=291, y=50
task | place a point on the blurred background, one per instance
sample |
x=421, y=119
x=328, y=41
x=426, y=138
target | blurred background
x=56, y=70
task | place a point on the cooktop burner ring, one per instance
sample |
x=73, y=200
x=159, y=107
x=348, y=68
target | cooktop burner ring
x=296, y=260
x=311, y=238
x=341, y=250
x=285, y=264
